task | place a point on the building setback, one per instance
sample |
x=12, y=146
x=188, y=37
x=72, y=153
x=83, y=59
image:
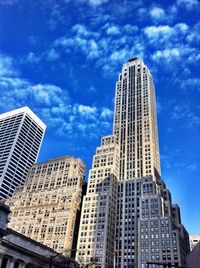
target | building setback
x=98, y=218
x=136, y=223
x=21, y=135
x=47, y=207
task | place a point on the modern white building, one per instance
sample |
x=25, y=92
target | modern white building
x=21, y=135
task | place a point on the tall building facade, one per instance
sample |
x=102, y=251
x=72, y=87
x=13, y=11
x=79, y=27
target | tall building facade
x=21, y=135
x=146, y=226
x=135, y=122
x=96, y=236
x=47, y=207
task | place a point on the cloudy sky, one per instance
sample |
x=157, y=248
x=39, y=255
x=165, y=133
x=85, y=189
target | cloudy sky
x=62, y=58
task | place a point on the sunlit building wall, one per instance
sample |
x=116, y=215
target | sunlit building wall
x=21, y=135
x=147, y=226
x=46, y=208
x=98, y=217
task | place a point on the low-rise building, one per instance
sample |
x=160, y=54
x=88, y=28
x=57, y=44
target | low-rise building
x=19, y=251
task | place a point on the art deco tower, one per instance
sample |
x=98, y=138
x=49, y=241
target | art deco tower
x=135, y=122
x=128, y=219
x=21, y=135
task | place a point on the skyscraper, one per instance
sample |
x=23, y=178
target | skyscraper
x=135, y=122
x=47, y=207
x=21, y=134
x=146, y=226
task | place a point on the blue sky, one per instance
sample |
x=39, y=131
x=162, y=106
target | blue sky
x=62, y=58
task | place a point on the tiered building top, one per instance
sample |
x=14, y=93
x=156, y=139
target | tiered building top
x=135, y=122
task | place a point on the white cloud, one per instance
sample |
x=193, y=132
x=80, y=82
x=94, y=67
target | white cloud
x=81, y=39
x=119, y=55
x=33, y=40
x=156, y=32
x=80, y=30
x=87, y=111
x=171, y=13
x=106, y=50
x=53, y=55
x=32, y=58
x=91, y=89
x=182, y=27
x=6, y=66
x=157, y=13
x=192, y=167
x=188, y=4
x=130, y=29
x=169, y=43
x=193, y=36
x=166, y=33
x=54, y=107
x=92, y=3
x=113, y=30
x=166, y=55
x=106, y=113
x=18, y=92
x=47, y=95
x=190, y=83
x=184, y=112
x=52, y=104
x=141, y=13
x=97, y=2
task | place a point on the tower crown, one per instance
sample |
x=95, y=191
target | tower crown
x=133, y=59
x=135, y=121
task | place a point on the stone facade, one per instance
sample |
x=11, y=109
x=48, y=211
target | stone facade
x=98, y=218
x=128, y=219
x=47, y=207
x=19, y=251
x=135, y=122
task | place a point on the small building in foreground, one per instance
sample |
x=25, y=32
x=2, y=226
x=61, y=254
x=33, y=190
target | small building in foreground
x=19, y=251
